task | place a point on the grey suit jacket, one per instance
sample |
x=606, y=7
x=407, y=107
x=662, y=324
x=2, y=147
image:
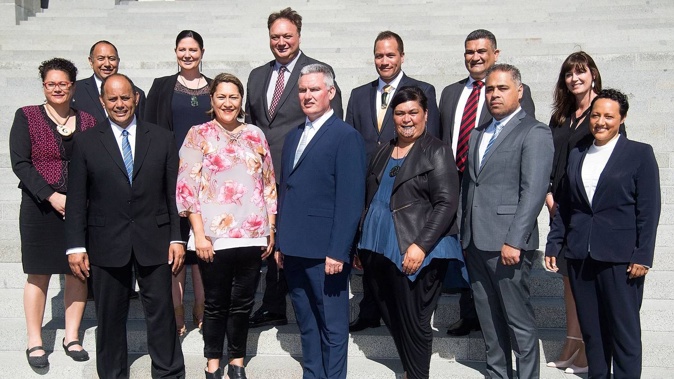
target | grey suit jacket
x=449, y=100
x=502, y=200
x=288, y=113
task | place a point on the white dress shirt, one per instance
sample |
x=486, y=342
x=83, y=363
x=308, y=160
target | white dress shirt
x=380, y=89
x=310, y=131
x=463, y=99
x=286, y=76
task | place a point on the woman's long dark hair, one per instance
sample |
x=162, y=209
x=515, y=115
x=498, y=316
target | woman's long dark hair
x=564, y=101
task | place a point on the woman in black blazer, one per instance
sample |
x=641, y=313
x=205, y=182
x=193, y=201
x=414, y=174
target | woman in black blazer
x=409, y=233
x=605, y=227
x=178, y=102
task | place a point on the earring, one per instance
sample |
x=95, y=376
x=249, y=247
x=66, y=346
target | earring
x=593, y=84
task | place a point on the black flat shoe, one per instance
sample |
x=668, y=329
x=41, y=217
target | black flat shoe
x=78, y=356
x=37, y=362
x=361, y=324
x=463, y=327
x=267, y=319
x=236, y=372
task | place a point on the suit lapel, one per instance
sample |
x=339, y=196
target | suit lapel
x=578, y=172
x=292, y=141
x=616, y=155
x=267, y=80
x=92, y=92
x=473, y=149
x=374, y=112
x=110, y=145
x=142, y=146
x=290, y=85
x=315, y=140
x=507, y=129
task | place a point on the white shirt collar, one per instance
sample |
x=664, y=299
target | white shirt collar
x=290, y=66
x=98, y=84
x=118, y=129
x=505, y=119
x=394, y=83
x=317, y=123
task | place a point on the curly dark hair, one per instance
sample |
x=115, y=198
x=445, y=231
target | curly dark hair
x=59, y=64
x=615, y=95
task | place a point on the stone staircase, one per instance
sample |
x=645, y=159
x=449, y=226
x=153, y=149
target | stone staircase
x=632, y=42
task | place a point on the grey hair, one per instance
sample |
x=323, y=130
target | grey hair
x=319, y=68
x=504, y=67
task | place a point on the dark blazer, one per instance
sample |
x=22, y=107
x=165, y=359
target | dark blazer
x=109, y=216
x=288, y=112
x=86, y=99
x=158, y=109
x=361, y=113
x=501, y=199
x=449, y=100
x=425, y=194
x=321, y=198
x=621, y=223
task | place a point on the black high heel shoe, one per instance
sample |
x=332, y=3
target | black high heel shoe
x=236, y=372
x=217, y=374
x=76, y=355
x=37, y=362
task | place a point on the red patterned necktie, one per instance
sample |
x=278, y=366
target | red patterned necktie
x=278, y=90
x=467, y=125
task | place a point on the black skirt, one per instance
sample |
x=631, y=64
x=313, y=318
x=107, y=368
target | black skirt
x=43, y=242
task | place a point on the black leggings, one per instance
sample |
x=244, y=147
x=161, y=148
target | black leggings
x=229, y=287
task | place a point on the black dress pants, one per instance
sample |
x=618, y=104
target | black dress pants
x=407, y=307
x=276, y=288
x=229, y=288
x=367, y=308
x=111, y=295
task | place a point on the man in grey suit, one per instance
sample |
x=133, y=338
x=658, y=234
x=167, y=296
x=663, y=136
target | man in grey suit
x=273, y=105
x=507, y=174
x=462, y=108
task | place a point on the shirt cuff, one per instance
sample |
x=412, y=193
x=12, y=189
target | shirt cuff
x=180, y=242
x=76, y=250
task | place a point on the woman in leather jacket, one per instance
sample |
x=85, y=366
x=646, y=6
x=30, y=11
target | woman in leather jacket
x=409, y=230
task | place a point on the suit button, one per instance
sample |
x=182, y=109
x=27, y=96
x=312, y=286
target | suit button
x=131, y=220
x=477, y=184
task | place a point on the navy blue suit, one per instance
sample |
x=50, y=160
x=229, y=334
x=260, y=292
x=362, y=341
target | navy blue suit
x=600, y=239
x=320, y=203
x=361, y=113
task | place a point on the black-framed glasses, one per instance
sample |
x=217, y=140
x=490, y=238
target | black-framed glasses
x=50, y=86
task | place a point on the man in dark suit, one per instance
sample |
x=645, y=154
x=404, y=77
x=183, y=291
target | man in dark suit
x=503, y=190
x=459, y=110
x=369, y=113
x=104, y=61
x=321, y=199
x=122, y=217
x=272, y=104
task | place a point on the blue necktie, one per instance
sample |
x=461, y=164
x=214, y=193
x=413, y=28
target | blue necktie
x=128, y=157
x=498, y=125
x=304, y=141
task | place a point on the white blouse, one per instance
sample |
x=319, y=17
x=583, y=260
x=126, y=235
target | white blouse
x=594, y=164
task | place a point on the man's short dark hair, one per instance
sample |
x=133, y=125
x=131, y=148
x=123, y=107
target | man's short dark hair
x=288, y=14
x=512, y=70
x=387, y=34
x=482, y=34
x=93, y=47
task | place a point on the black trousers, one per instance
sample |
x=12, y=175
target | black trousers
x=608, y=304
x=368, y=308
x=229, y=288
x=111, y=296
x=276, y=288
x=407, y=307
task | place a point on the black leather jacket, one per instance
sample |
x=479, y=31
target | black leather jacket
x=425, y=192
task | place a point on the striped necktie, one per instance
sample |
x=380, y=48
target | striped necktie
x=128, y=157
x=467, y=125
x=278, y=90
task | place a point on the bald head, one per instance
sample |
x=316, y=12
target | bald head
x=119, y=99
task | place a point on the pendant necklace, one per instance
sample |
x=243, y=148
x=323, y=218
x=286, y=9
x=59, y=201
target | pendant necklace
x=194, y=100
x=62, y=129
x=396, y=168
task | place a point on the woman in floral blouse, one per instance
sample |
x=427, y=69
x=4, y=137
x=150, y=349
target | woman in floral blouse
x=226, y=187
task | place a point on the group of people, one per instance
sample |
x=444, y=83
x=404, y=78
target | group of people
x=423, y=198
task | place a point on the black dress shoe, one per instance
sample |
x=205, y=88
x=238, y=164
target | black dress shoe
x=217, y=374
x=39, y=361
x=236, y=372
x=361, y=324
x=267, y=318
x=463, y=327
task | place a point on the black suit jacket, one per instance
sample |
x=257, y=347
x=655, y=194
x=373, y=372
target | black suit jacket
x=620, y=224
x=158, y=109
x=449, y=100
x=86, y=99
x=288, y=113
x=361, y=113
x=109, y=216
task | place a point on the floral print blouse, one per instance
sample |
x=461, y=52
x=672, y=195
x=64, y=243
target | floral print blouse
x=228, y=178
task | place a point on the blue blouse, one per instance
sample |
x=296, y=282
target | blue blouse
x=379, y=233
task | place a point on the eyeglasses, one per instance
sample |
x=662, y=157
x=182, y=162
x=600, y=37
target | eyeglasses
x=50, y=86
